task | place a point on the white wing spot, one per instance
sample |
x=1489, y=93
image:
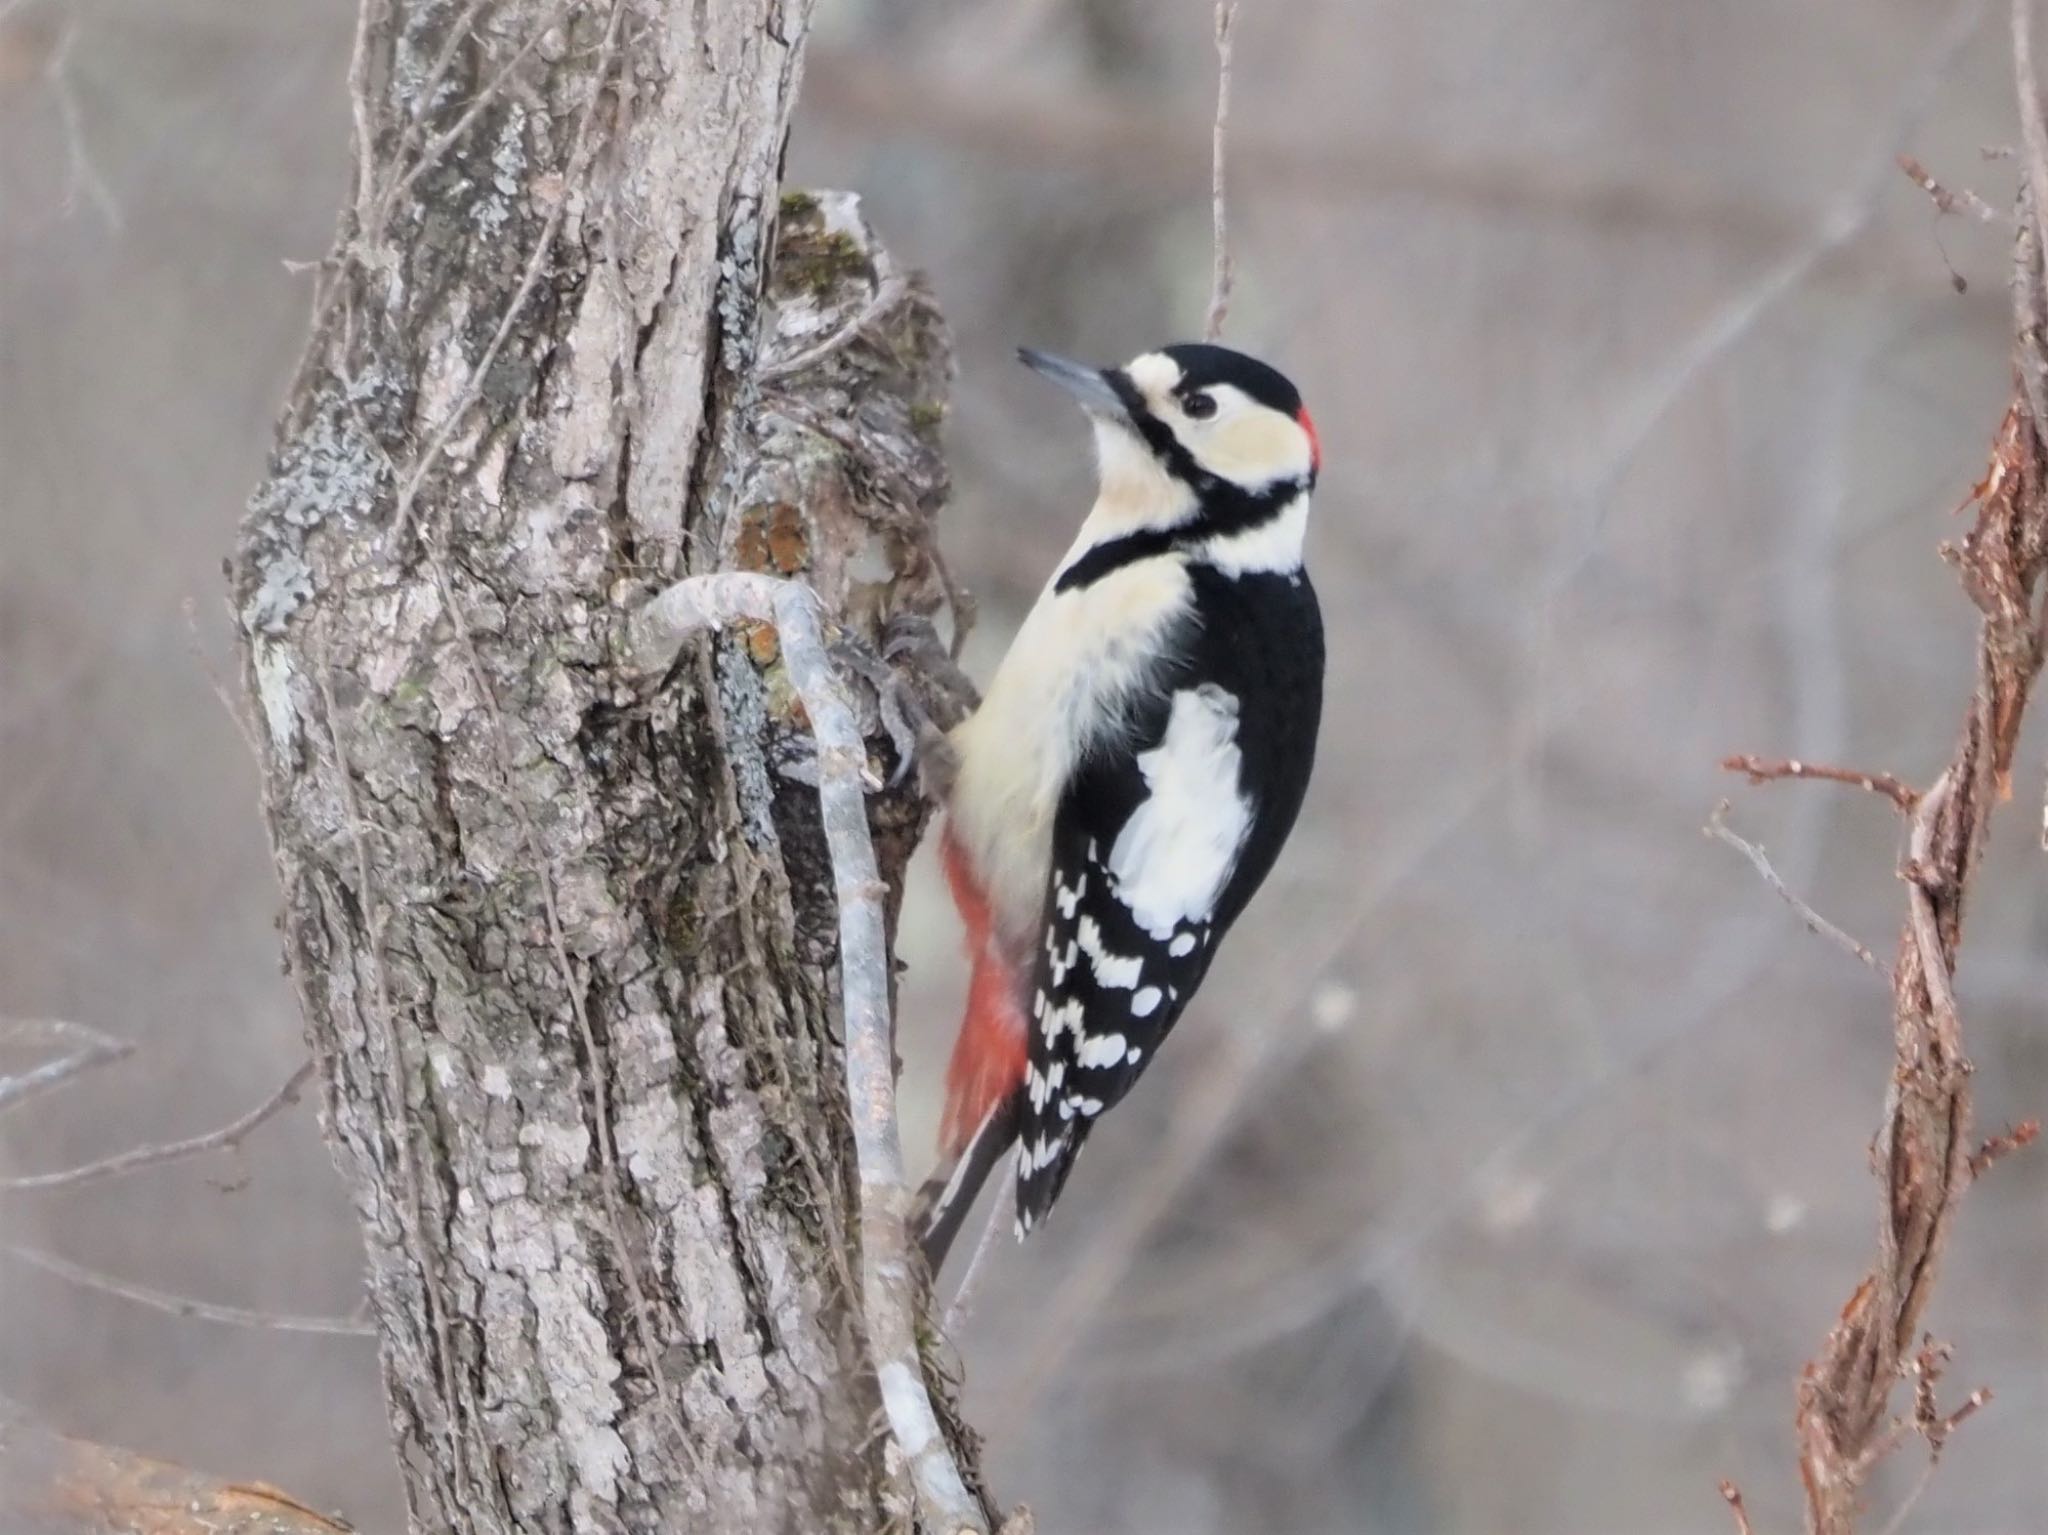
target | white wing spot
x=1144, y=1002
x=1113, y=970
x=1040, y=1091
x=1183, y=945
x=1176, y=852
x=1132, y=1058
x=1100, y=1050
x=1065, y=1015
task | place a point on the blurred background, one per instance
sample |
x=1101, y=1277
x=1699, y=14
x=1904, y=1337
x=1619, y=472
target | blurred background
x=1514, y=1157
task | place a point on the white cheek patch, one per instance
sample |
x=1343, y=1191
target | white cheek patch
x=1176, y=852
x=1252, y=444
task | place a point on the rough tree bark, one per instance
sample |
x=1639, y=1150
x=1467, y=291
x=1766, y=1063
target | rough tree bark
x=564, y=935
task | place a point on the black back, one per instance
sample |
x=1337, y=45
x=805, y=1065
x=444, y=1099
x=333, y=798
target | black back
x=1258, y=638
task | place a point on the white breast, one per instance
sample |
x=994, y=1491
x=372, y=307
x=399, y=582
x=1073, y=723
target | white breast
x=1078, y=658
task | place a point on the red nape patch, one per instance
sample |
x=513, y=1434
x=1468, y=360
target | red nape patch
x=1315, y=445
x=989, y=1055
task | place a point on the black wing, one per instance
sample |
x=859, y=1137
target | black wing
x=1157, y=846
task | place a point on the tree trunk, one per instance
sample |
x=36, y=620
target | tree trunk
x=564, y=935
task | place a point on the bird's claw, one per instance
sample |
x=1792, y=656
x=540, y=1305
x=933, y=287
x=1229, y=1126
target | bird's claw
x=907, y=711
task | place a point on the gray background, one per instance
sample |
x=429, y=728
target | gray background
x=1514, y=1157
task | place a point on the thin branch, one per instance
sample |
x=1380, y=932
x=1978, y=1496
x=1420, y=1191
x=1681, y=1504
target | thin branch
x=1733, y=1494
x=2033, y=124
x=83, y=174
x=1996, y=1147
x=1921, y=1153
x=226, y=1138
x=1219, y=140
x=1771, y=769
x=243, y=725
x=88, y=1049
x=1897, y=1523
x=889, y=1288
x=892, y=290
x=1947, y=199
x=1000, y=1213
x=1718, y=828
x=185, y=1305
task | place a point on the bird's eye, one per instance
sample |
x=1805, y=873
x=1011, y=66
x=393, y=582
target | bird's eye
x=1199, y=405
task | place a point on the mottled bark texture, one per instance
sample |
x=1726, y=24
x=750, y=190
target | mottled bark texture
x=565, y=934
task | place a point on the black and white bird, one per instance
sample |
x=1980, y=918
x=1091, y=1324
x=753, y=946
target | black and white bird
x=1135, y=765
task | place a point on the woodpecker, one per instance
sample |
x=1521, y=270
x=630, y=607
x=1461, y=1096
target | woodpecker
x=1135, y=765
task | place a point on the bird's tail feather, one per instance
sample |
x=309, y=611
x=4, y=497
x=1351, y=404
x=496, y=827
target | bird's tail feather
x=948, y=1195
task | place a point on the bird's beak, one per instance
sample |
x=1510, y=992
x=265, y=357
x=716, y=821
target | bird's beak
x=1090, y=386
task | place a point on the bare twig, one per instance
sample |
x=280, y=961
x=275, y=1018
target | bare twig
x=1947, y=199
x=2033, y=124
x=1125, y=142
x=1219, y=140
x=83, y=174
x=226, y=1138
x=184, y=1305
x=1718, y=828
x=1995, y=1147
x=244, y=727
x=1000, y=1214
x=889, y=1290
x=1736, y=1507
x=1897, y=1523
x=85, y=1049
x=1922, y=1151
x=888, y=294
x=1771, y=769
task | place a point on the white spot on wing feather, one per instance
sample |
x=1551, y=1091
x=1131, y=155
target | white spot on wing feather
x=1113, y=970
x=1100, y=1050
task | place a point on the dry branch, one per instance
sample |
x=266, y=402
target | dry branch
x=1923, y=1152
x=51, y=1484
x=84, y=1049
x=889, y=1286
x=1771, y=769
x=134, y=1160
x=185, y=1305
x=1219, y=143
x=1717, y=827
x=1923, y=1149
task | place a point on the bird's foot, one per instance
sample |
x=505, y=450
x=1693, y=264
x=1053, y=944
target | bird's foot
x=919, y=693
